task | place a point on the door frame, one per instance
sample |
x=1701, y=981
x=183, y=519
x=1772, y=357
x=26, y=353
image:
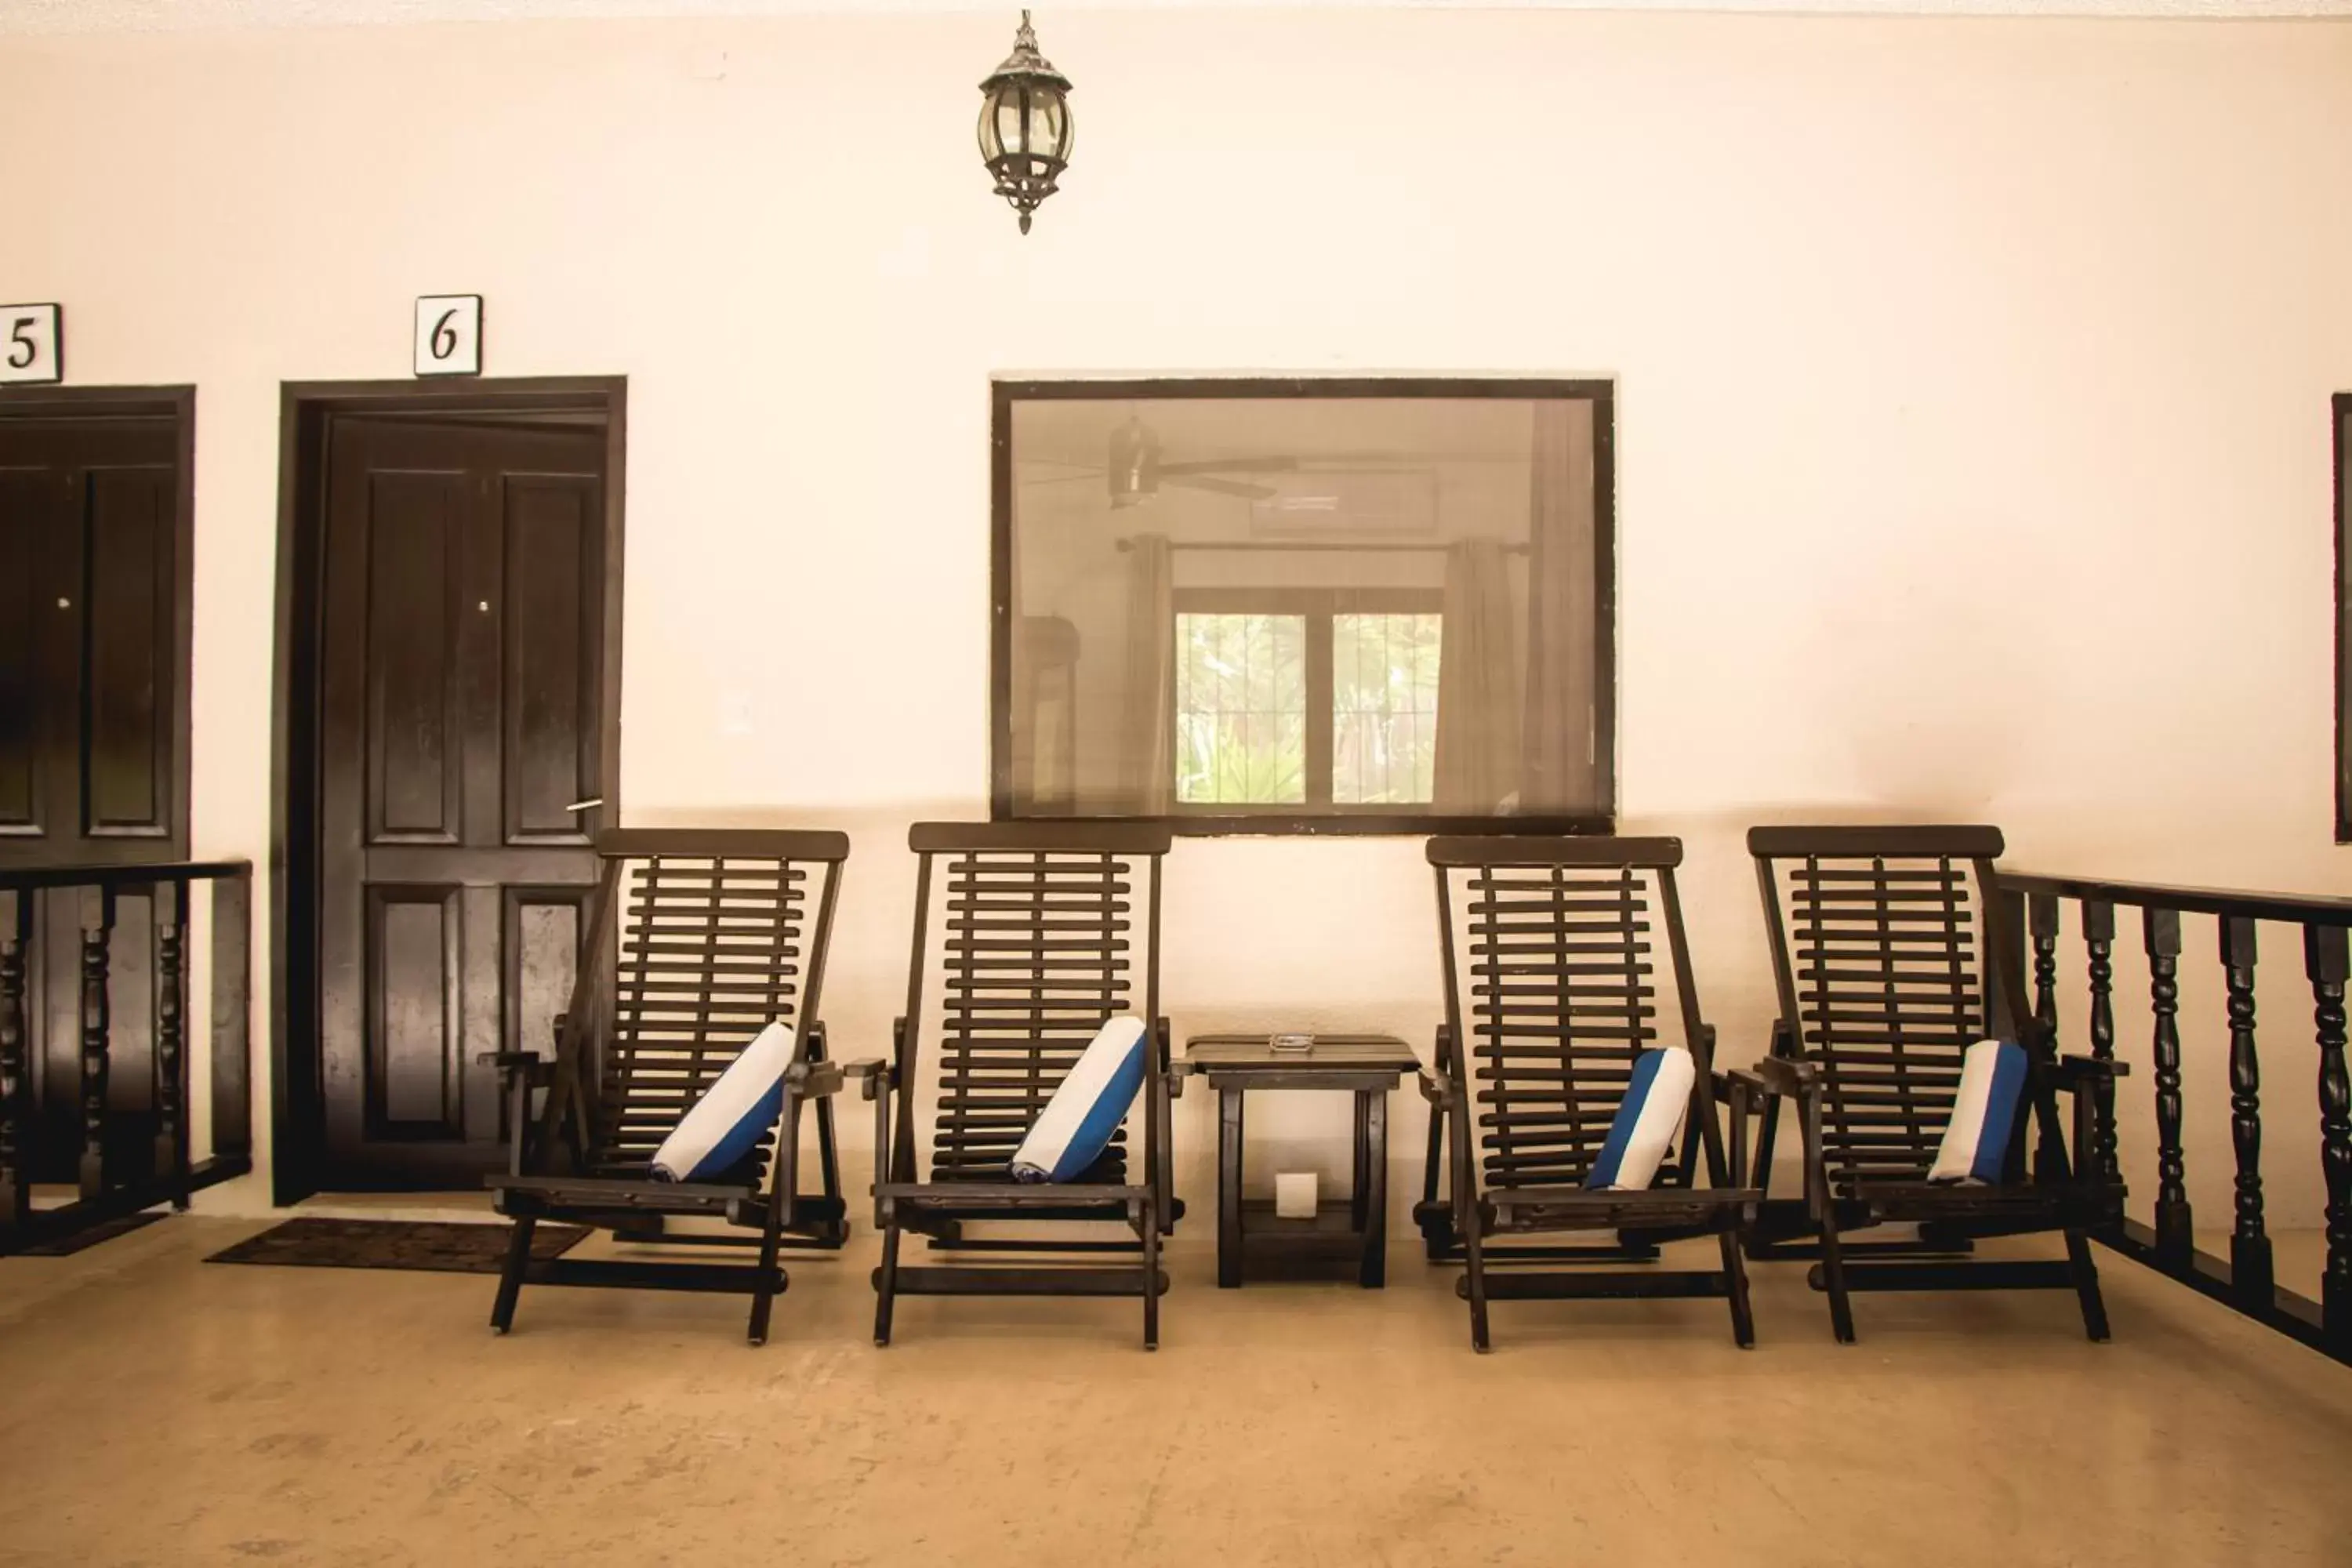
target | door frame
x=305, y=410
x=177, y=403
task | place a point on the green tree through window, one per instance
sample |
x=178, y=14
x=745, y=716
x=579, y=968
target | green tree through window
x=1302, y=703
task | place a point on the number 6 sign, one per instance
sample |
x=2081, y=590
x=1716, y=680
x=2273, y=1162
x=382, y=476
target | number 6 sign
x=449, y=334
x=30, y=345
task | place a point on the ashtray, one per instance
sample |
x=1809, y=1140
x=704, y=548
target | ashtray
x=1290, y=1044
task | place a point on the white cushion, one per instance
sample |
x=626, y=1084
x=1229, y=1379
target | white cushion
x=1984, y=1115
x=718, y=1130
x=1647, y=1120
x=1076, y=1124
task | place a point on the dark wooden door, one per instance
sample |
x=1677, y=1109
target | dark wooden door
x=92, y=594
x=461, y=673
x=88, y=611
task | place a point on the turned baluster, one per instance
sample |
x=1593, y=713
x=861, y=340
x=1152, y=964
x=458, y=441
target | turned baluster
x=2099, y=942
x=2324, y=960
x=2250, y=1249
x=2041, y=923
x=97, y=932
x=171, y=1038
x=2176, y=1240
x=15, y=1186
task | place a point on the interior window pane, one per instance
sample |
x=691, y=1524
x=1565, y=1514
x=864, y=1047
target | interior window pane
x=1384, y=708
x=1241, y=710
x=1328, y=556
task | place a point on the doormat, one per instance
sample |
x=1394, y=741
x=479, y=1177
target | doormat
x=436, y=1245
x=67, y=1246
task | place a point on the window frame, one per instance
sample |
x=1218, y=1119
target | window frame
x=2340, y=451
x=1319, y=607
x=1288, y=819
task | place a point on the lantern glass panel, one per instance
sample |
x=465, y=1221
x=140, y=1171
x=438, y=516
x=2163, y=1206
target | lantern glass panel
x=1011, y=119
x=991, y=147
x=1049, y=124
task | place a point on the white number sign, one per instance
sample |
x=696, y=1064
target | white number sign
x=31, y=344
x=449, y=334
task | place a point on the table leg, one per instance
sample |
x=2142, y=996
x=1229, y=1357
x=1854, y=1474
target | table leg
x=1229, y=1188
x=1372, y=1159
x=1359, y=1192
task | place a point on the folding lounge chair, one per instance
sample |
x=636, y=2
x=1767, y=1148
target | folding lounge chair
x=1048, y=930
x=1551, y=995
x=699, y=939
x=1882, y=991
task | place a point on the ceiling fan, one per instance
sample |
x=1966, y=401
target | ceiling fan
x=1134, y=472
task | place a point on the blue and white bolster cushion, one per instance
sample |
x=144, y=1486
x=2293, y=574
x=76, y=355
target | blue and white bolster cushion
x=737, y=1110
x=1657, y=1099
x=1984, y=1114
x=1071, y=1133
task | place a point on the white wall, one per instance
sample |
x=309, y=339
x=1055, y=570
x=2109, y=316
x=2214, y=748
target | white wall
x=1972, y=443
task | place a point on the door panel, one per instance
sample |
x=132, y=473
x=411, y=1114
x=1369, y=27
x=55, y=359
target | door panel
x=413, y=958
x=415, y=754
x=126, y=786
x=460, y=715
x=555, y=593
x=544, y=929
x=25, y=505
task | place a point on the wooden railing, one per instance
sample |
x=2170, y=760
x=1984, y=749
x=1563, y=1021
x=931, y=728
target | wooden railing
x=2246, y=1278
x=112, y=1175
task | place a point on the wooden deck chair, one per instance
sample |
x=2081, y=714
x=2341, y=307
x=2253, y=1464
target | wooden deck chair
x=1891, y=958
x=1552, y=977
x=698, y=939
x=1047, y=929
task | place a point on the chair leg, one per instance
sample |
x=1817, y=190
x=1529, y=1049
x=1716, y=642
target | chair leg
x=885, y=1282
x=763, y=1290
x=1474, y=1254
x=510, y=1282
x=1833, y=1278
x=2086, y=1286
x=1734, y=1282
x=1149, y=1231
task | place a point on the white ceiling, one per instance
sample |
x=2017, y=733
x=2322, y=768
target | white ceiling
x=1381, y=431
x=156, y=15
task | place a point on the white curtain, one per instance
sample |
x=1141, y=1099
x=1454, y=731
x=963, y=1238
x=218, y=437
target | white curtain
x=1477, y=683
x=1151, y=786
x=1562, y=773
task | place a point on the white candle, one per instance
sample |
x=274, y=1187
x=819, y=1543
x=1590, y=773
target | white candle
x=1294, y=1194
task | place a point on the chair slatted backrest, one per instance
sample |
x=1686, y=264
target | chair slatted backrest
x=1551, y=966
x=706, y=936
x=1047, y=929
x=1877, y=937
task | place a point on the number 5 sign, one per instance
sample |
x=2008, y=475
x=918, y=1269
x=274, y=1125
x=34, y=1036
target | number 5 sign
x=449, y=334
x=30, y=344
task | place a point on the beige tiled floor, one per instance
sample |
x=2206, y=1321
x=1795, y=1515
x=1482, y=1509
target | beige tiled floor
x=156, y=1410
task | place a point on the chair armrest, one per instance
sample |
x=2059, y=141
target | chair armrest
x=813, y=1080
x=1173, y=1072
x=1436, y=1089
x=873, y=1074
x=2071, y=1072
x=1778, y=1075
x=1747, y=1079
x=539, y=1071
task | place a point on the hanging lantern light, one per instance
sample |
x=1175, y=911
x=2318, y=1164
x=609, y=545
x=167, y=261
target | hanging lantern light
x=1024, y=125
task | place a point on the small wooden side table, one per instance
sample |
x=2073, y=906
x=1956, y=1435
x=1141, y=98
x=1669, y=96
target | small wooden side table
x=1367, y=1065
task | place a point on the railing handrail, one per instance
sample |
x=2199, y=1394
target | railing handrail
x=31, y=878
x=2301, y=909
x=2246, y=1278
